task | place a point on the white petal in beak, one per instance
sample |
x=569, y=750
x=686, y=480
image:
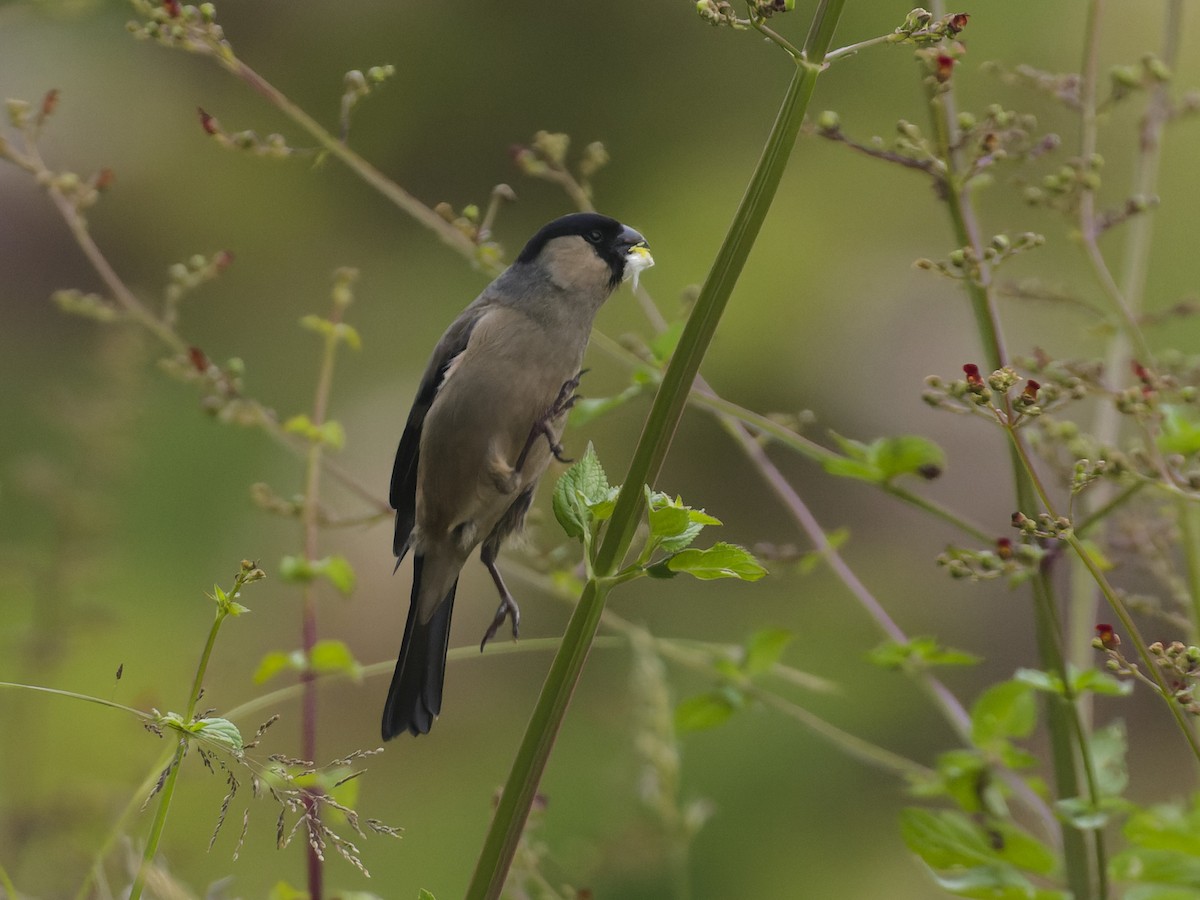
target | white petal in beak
x=636, y=260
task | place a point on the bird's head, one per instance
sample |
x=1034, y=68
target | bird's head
x=588, y=251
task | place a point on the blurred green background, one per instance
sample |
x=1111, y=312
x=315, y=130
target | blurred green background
x=121, y=502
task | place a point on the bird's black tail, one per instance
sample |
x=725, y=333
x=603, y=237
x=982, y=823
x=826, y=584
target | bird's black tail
x=415, y=697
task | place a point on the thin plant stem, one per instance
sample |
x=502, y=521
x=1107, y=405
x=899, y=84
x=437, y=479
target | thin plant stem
x=168, y=788
x=513, y=808
x=311, y=521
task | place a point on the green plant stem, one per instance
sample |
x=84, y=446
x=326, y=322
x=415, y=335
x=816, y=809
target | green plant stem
x=168, y=788
x=1118, y=606
x=513, y=808
x=1060, y=719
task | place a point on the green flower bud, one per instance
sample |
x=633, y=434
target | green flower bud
x=829, y=121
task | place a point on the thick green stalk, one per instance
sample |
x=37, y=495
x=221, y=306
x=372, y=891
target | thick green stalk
x=1065, y=736
x=513, y=809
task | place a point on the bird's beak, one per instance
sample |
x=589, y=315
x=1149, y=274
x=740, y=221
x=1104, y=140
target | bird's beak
x=637, y=254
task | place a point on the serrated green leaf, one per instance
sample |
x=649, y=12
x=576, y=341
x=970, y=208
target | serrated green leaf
x=1006, y=710
x=668, y=521
x=581, y=485
x=764, y=649
x=704, y=711
x=222, y=731
x=721, y=560
x=682, y=540
x=328, y=656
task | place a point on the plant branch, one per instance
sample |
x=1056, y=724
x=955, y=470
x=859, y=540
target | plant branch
x=513, y=809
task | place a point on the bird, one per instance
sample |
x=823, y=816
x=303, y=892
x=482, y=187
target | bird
x=487, y=419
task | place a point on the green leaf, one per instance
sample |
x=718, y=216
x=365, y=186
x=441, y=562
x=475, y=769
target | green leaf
x=299, y=424
x=332, y=434
x=1166, y=874
x=673, y=525
x=581, y=486
x=1048, y=682
x=587, y=409
x=221, y=731
x=1005, y=710
x=284, y=891
x=329, y=656
x=663, y=345
x=721, y=560
x=339, y=572
x=1180, y=431
x=1101, y=683
x=1109, y=746
x=1081, y=813
x=885, y=459
x=764, y=649
x=990, y=854
x=919, y=652
x=425, y=895
x=348, y=335
x=706, y=710
x=296, y=569
x=944, y=840
x=277, y=661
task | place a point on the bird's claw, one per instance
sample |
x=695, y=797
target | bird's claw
x=563, y=404
x=507, y=608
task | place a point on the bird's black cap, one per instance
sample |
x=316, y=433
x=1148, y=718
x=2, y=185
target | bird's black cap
x=610, y=239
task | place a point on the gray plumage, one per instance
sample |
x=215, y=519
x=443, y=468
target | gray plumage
x=494, y=395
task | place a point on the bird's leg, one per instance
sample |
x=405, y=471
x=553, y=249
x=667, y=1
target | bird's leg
x=562, y=405
x=508, y=606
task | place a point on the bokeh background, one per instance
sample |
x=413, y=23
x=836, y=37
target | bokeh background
x=121, y=502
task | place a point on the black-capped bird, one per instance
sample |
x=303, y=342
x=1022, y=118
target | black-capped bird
x=487, y=418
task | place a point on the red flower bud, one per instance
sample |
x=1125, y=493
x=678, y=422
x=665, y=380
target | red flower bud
x=974, y=379
x=49, y=102
x=1004, y=548
x=207, y=122
x=173, y=8
x=1109, y=638
x=198, y=359
x=1031, y=391
x=945, y=67
x=957, y=22
x=104, y=179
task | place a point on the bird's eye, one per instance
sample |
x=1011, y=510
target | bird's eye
x=594, y=236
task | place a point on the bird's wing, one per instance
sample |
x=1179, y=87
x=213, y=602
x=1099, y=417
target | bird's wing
x=403, y=492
